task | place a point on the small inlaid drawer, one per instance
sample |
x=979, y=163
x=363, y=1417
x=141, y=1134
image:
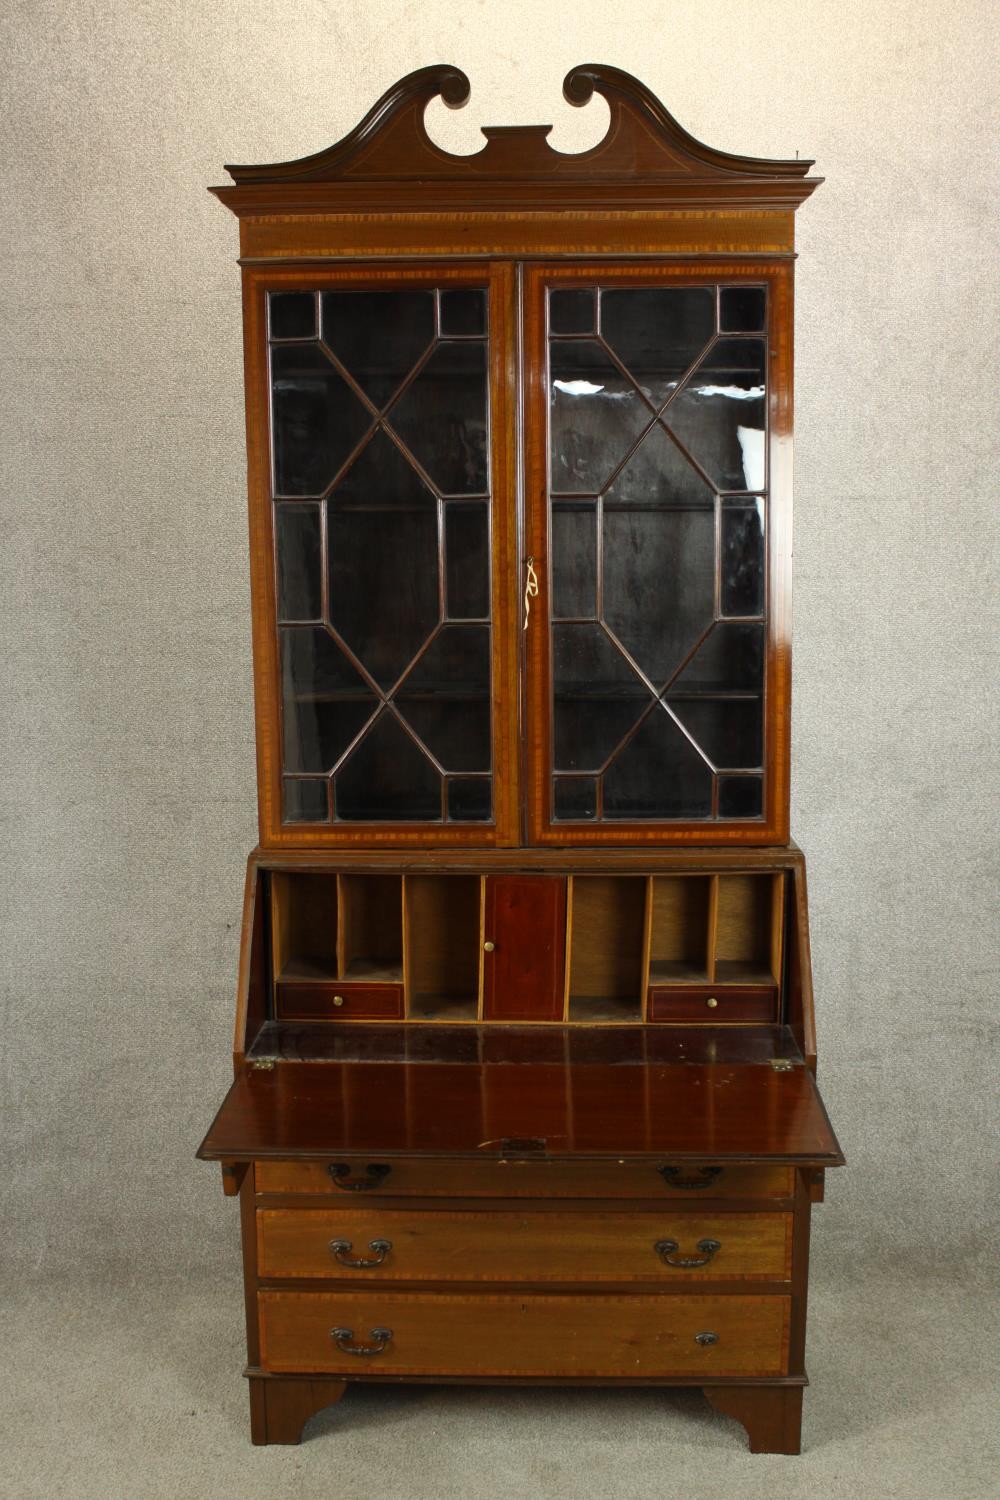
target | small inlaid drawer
x=344, y=1001
x=507, y=1334
x=380, y=1244
x=401, y=1177
x=714, y=1004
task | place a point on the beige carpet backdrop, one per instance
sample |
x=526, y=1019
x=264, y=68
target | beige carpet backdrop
x=127, y=793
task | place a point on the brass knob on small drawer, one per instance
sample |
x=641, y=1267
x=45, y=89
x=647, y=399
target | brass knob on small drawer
x=711, y=1002
x=488, y=947
x=706, y=1338
x=338, y=999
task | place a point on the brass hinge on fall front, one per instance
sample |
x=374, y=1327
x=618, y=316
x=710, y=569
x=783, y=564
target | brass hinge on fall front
x=262, y=1064
x=782, y=1064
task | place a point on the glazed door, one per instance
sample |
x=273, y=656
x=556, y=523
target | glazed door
x=382, y=512
x=657, y=419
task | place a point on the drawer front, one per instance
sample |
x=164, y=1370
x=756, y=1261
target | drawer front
x=504, y=1334
x=380, y=1244
x=423, y=1177
x=668, y=1002
x=344, y=1001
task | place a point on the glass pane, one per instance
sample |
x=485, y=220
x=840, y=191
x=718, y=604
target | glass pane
x=658, y=475
x=731, y=659
x=595, y=415
x=326, y=702
x=741, y=796
x=730, y=731
x=378, y=336
x=743, y=559
x=572, y=312
x=387, y=778
x=293, y=315
x=719, y=416
x=467, y=561
x=384, y=567
x=469, y=800
x=306, y=801
x=574, y=559
x=317, y=419
x=463, y=311
x=575, y=797
x=297, y=549
x=742, y=309
x=446, y=698
x=658, y=333
x=597, y=697
x=441, y=418
x=658, y=774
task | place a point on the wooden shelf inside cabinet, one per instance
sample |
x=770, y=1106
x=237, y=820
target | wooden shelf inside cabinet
x=525, y=947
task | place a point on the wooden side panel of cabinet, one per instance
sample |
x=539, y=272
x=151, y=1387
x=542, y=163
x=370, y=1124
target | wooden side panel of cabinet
x=524, y=966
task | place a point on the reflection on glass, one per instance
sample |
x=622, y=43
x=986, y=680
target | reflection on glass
x=575, y=797
x=741, y=796
x=305, y=801
x=387, y=778
x=378, y=336
x=574, y=559
x=469, y=799
x=446, y=698
x=659, y=584
x=659, y=774
x=293, y=315
x=742, y=309
x=326, y=701
x=597, y=697
x=719, y=416
x=743, y=559
x=572, y=312
x=317, y=420
x=595, y=415
x=297, y=555
x=463, y=311
x=441, y=418
x=730, y=731
x=467, y=556
x=731, y=660
x=658, y=333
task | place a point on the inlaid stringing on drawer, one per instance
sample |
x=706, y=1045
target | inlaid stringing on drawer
x=383, y=1244
x=398, y=1333
x=684, y=1183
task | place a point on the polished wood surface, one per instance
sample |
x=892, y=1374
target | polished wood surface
x=492, y=1246
x=344, y=1000
x=525, y=924
x=523, y=1126
x=526, y=1333
x=520, y=1177
x=713, y=1004
x=707, y=1112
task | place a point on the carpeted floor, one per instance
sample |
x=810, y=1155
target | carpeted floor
x=138, y=1395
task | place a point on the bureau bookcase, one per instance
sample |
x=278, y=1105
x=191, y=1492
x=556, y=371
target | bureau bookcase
x=524, y=1055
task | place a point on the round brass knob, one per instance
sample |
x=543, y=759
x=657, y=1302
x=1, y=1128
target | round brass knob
x=488, y=947
x=711, y=1002
x=338, y=999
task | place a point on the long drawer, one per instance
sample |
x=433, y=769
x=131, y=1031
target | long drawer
x=386, y=1177
x=398, y=1333
x=371, y=1243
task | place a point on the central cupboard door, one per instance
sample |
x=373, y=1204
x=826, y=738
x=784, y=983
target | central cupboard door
x=383, y=514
